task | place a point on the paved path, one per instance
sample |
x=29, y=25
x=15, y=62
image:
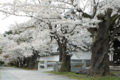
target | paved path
x=10, y=73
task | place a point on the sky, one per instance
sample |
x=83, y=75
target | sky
x=8, y=21
x=5, y=23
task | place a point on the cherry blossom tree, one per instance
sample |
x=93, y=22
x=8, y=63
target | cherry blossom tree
x=39, y=37
x=5, y=44
x=101, y=18
x=108, y=14
x=104, y=16
x=31, y=40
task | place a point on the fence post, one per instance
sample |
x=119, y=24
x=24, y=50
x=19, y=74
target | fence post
x=56, y=67
x=38, y=65
x=45, y=64
x=84, y=64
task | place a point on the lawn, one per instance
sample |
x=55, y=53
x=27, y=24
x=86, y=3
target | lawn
x=84, y=77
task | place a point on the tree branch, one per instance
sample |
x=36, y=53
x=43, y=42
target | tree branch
x=72, y=29
x=115, y=31
x=86, y=15
x=80, y=48
x=114, y=18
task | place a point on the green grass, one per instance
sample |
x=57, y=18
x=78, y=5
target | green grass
x=116, y=72
x=26, y=68
x=84, y=77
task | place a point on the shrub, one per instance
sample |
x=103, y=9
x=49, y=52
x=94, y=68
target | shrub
x=1, y=63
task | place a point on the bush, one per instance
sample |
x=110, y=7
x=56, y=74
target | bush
x=1, y=63
x=11, y=64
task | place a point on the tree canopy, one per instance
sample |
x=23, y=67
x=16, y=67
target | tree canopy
x=70, y=25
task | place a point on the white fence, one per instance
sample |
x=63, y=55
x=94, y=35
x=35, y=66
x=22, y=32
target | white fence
x=81, y=64
x=76, y=65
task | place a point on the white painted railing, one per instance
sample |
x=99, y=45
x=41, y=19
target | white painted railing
x=81, y=64
x=45, y=64
x=75, y=64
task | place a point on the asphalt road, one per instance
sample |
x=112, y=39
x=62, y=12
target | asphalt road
x=10, y=73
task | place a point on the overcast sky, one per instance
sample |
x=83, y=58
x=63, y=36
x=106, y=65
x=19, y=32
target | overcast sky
x=6, y=22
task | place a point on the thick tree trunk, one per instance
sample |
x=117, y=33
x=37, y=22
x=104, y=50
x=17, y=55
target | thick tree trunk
x=101, y=45
x=100, y=48
x=65, y=66
x=64, y=58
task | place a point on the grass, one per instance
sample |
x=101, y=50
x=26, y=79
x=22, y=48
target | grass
x=26, y=68
x=84, y=77
x=116, y=72
x=21, y=68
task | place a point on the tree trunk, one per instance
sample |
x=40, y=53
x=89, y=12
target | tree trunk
x=60, y=51
x=20, y=62
x=100, y=48
x=17, y=63
x=66, y=66
x=65, y=59
x=101, y=45
x=33, y=60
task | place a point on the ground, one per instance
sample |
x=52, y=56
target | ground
x=11, y=73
